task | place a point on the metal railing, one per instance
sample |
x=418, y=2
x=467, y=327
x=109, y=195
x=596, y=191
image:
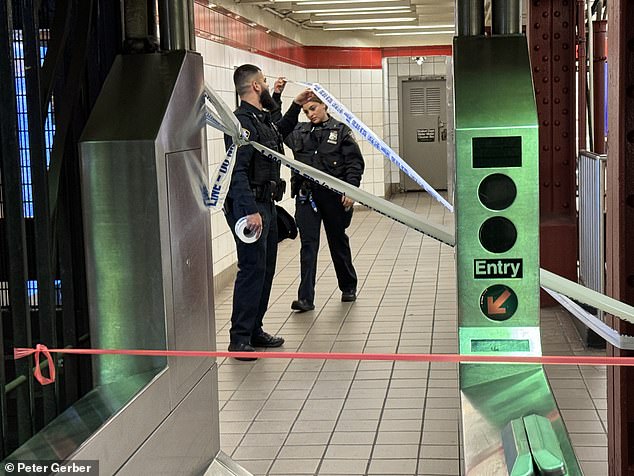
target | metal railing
x=592, y=221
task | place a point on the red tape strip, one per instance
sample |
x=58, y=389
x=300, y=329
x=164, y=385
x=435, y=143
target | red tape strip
x=19, y=353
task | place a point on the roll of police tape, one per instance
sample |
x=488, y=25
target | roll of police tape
x=244, y=233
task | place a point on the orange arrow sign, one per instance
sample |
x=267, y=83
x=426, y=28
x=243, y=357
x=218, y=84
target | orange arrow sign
x=495, y=307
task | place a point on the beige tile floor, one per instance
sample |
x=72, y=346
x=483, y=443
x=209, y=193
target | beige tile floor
x=296, y=417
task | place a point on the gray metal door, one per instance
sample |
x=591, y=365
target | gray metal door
x=423, y=126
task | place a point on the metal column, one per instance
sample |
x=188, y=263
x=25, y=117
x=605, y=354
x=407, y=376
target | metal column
x=620, y=228
x=551, y=36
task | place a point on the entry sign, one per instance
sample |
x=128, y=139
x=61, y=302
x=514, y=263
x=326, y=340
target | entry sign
x=497, y=268
x=498, y=302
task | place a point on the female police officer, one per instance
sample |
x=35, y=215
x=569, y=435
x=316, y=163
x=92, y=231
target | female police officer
x=327, y=145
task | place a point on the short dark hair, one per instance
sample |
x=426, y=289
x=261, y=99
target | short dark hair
x=242, y=77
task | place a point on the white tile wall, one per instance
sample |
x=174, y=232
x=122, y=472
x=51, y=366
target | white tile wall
x=361, y=90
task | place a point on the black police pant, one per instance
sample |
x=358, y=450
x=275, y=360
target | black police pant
x=336, y=219
x=256, y=267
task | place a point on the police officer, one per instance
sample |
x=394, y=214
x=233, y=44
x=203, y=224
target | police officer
x=255, y=185
x=327, y=145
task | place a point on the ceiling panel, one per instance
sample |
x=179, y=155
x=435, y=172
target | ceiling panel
x=367, y=17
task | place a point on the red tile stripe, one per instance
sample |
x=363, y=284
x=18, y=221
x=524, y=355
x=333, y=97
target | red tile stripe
x=222, y=26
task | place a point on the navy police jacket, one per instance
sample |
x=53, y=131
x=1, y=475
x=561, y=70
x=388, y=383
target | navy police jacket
x=329, y=147
x=251, y=168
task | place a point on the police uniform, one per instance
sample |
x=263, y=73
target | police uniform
x=255, y=184
x=331, y=148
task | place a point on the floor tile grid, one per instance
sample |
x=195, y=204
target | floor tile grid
x=286, y=346
x=280, y=465
x=432, y=306
x=593, y=380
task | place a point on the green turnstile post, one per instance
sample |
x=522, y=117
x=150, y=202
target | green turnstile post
x=497, y=243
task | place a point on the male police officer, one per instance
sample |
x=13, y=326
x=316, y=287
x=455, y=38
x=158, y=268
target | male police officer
x=327, y=145
x=255, y=185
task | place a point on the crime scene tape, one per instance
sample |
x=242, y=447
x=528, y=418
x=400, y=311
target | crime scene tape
x=224, y=120
x=548, y=280
x=244, y=233
x=19, y=353
x=612, y=337
x=219, y=186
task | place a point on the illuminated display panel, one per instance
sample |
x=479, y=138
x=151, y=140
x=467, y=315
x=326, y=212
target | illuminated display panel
x=500, y=345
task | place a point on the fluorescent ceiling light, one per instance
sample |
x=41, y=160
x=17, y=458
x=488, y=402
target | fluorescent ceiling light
x=375, y=18
x=363, y=12
x=412, y=27
x=347, y=10
x=396, y=26
x=348, y=7
x=339, y=2
x=354, y=21
x=402, y=33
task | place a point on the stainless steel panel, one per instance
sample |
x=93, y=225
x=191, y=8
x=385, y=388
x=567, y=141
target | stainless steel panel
x=150, y=97
x=150, y=280
x=114, y=442
x=494, y=394
x=187, y=440
x=106, y=410
x=225, y=466
x=124, y=252
x=149, y=258
x=192, y=325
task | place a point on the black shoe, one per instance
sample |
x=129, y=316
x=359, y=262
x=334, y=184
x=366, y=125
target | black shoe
x=302, y=305
x=348, y=296
x=242, y=348
x=266, y=340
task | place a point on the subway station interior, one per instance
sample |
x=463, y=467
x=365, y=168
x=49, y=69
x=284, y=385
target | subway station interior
x=493, y=328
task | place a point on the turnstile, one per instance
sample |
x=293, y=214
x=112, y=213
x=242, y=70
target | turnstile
x=497, y=242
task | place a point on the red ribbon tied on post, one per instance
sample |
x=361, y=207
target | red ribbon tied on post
x=39, y=349
x=454, y=358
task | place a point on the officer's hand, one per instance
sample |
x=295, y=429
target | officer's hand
x=305, y=96
x=347, y=202
x=254, y=223
x=280, y=84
